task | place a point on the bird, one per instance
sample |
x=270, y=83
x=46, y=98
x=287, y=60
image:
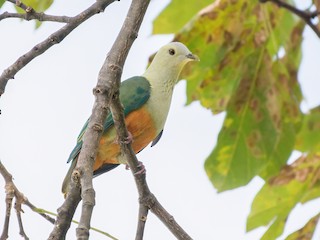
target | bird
x=146, y=101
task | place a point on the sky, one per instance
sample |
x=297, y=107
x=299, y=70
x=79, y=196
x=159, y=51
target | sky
x=46, y=105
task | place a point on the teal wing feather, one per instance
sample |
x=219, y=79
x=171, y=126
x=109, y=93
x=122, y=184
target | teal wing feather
x=134, y=92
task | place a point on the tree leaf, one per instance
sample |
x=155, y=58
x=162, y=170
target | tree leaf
x=2, y=2
x=242, y=72
x=281, y=193
x=38, y=5
x=307, y=231
x=176, y=15
x=308, y=139
x=218, y=39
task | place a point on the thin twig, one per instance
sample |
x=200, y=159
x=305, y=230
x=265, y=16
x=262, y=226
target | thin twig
x=17, y=206
x=314, y=14
x=13, y=192
x=21, y=5
x=305, y=15
x=42, y=17
x=31, y=14
x=53, y=39
x=9, y=198
x=35, y=209
x=21, y=232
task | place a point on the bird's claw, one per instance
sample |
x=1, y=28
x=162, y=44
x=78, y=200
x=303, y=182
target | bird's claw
x=127, y=140
x=141, y=171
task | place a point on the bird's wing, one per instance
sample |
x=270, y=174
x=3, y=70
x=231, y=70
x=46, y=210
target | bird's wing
x=134, y=92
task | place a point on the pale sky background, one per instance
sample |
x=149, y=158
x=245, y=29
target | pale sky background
x=46, y=105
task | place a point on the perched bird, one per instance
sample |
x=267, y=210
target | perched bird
x=146, y=100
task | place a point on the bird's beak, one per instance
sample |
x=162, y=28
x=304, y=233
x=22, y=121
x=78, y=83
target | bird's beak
x=193, y=57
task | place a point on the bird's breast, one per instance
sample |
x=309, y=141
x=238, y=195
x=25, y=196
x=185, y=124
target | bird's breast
x=141, y=125
x=158, y=106
x=143, y=130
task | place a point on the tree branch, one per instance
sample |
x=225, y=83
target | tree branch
x=21, y=5
x=65, y=213
x=146, y=199
x=35, y=15
x=53, y=39
x=142, y=219
x=13, y=192
x=106, y=90
x=305, y=15
x=108, y=84
x=32, y=14
x=21, y=232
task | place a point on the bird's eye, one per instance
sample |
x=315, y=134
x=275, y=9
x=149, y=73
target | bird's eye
x=172, y=51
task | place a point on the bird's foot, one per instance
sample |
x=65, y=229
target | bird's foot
x=141, y=171
x=127, y=140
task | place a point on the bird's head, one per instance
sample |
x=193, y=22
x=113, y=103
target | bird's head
x=169, y=62
x=174, y=54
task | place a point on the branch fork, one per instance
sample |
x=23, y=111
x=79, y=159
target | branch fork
x=12, y=192
x=107, y=96
x=307, y=16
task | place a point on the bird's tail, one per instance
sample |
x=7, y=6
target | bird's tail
x=67, y=179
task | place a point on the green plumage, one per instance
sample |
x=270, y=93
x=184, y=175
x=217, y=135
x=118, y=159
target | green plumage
x=134, y=92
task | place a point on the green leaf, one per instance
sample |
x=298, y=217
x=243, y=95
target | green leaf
x=240, y=72
x=307, y=231
x=2, y=2
x=308, y=139
x=280, y=195
x=259, y=129
x=275, y=229
x=37, y=5
x=218, y=39
x=176, y=15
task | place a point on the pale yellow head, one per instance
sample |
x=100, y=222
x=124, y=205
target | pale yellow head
x=168, y=63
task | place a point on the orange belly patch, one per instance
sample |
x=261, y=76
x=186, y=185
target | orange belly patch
x=142, y=129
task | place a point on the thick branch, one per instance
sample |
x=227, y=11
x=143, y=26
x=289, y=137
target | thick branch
x=305, y=15
x=107, y=88
x=53, y=39
x=146, y=198
x=142, y=219
x=108, y=84
x=65, y=214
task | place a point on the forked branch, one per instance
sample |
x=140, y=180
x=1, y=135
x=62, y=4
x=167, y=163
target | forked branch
x=147, y=200
x=53, y=39
x=31, y=14
x=12, y=192
x=107, y=96
x=307, y=16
